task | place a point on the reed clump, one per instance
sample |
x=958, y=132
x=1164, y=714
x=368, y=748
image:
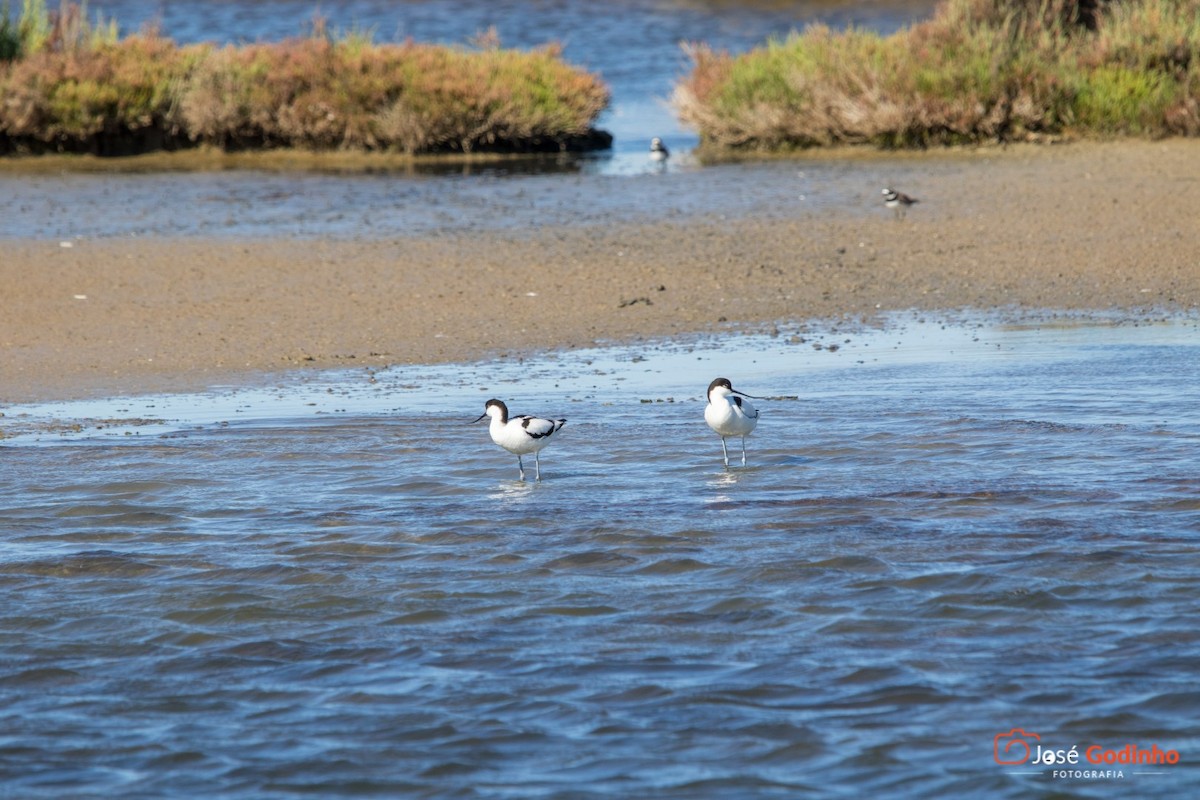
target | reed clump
x=72, y=86
x=979, y=71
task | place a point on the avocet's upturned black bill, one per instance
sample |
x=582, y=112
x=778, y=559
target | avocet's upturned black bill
x=898, y=201
x=658, y=150
x=520, y=435
x=728, y=414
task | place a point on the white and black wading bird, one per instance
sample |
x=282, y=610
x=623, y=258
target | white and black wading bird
x=658, y=150
x=729, y=414
x=898, y=201
x=520, y=435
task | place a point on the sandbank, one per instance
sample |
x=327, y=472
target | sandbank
x=1083, y=227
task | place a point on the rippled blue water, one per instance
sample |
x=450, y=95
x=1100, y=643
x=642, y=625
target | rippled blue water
x=338, y=588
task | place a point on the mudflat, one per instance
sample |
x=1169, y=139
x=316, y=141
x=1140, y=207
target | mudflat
x=1092, y=226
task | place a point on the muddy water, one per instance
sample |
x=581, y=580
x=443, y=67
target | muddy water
x=338, y=587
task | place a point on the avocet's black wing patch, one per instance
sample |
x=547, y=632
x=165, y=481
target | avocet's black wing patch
x=738, y=402
x=538, y=428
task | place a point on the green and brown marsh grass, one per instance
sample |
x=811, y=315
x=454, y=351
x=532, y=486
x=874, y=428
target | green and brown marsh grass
x=69, y=86
x=979, y=71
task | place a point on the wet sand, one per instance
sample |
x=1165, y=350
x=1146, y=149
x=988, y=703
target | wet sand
x=1081, y=227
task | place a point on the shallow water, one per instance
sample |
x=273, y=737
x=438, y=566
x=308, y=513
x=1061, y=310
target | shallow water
x=336, y=587
x=298, y=204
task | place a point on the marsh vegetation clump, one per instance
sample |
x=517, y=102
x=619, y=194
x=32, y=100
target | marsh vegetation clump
x=74, y=86
x=978, y=71
x=326, y=94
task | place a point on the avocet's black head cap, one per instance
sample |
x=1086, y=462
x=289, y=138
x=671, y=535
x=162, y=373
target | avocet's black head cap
x=498, y=404
x=724, y=382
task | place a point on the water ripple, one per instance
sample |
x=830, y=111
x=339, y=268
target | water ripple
x=316, y=605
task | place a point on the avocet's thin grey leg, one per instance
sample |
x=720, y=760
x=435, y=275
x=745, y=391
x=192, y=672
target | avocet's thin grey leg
x=725, y=451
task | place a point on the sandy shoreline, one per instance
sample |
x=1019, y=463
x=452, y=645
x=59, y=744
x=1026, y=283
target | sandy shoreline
x=1089, y=226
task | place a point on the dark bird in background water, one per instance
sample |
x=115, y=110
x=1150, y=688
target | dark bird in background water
x=898, y=201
